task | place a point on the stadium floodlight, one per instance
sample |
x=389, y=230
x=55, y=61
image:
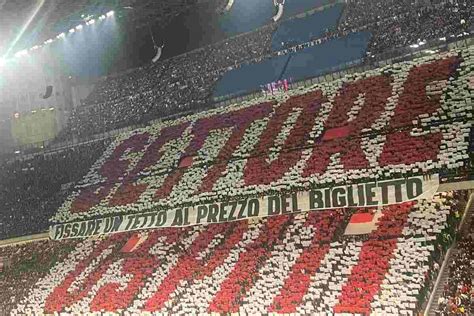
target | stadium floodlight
x=72, y=31
x=62, y=35
x=79, y=27
x=48, y=41
x=102, y=17
x=21, y=53
x=35, y=47
x=110, y=13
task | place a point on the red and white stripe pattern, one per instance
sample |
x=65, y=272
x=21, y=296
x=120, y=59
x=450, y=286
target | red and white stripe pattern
x=296, y=264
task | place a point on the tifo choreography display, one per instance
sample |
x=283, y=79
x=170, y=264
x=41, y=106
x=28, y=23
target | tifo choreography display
x=301, y=263
x=407, y=118
x=177, y=186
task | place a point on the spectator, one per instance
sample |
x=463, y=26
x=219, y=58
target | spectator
x=31, y=190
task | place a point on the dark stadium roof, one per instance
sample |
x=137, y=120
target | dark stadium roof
x=56, y=16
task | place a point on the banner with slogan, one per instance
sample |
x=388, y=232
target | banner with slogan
x=372, y=194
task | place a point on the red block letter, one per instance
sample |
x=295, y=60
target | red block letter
x=257, y=169
x=239, y=120
x=401, y=147
x=114, y=168
x=340, y=124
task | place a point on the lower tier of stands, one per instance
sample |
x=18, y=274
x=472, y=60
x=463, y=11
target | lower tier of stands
x=304, y=264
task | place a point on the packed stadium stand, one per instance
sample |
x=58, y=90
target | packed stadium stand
x=32, y=188
x=403, y=119
x=186, y=186
x=301, y=264
x=187, y=82
x=401, y=23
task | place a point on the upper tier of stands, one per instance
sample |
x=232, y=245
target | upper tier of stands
x=186, y=82
x=173, y=86
x=300, y=30
x=300, y=264
x=399, y=23
x=248, y=15
x=249, y=77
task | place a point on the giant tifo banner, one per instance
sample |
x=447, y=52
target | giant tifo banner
x=410, y=118
x=374, y=194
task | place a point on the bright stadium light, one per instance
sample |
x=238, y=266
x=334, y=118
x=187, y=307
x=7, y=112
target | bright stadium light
x=101, y=17
x=21, y=53
x=110, y=13
x=48, y=41
x=79, y=27
x=62, y=35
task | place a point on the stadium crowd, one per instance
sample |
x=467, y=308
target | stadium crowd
x=185, y=83
x=176, y=85
x=25, y=264
x=31, y=190
x=419, y=25
x=408, y=242
x=301, y=263
x=458, y=295
x=170, y=87
x=396, y=25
